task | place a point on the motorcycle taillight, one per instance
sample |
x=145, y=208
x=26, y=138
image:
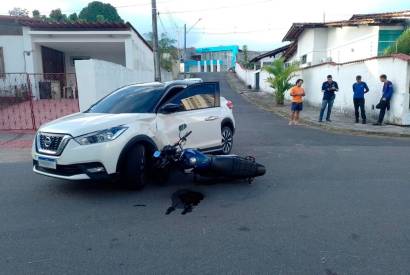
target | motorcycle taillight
x=229, y=104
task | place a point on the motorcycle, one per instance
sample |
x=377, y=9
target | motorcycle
x=211, y=166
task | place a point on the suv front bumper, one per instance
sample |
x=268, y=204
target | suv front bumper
x=80, y=162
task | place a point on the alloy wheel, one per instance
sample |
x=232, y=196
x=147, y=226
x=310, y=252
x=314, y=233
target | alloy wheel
x=227, y=140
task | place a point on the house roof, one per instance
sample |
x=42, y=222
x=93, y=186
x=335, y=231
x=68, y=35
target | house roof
x=385, y=19
x=290, y=51
x=270, y=53
x=39, y=24
x=398, y=14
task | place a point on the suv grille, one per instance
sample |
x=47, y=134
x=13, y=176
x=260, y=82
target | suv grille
x=51, y=144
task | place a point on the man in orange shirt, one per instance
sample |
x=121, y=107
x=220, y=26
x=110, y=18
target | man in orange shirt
x=297, y=93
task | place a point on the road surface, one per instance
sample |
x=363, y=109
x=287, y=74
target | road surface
x=329, y=204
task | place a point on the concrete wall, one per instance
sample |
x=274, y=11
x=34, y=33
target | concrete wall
x=339, y=44
x=249, y=76
x=351, y=43
x=142, y=56
x=397, y=70
x=13, y=63
x=306, y=45
x=97, y=78
x=13, y=53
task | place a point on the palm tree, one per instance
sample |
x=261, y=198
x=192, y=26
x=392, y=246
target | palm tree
x=280, y=77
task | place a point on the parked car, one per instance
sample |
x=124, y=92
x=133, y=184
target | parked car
x=119, y=133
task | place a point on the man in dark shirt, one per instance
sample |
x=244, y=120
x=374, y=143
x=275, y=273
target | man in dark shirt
x=328, y=88
x=359, y=89
x=385, y=100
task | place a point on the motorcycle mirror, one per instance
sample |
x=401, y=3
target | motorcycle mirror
x=182, y=127
x=157, y=154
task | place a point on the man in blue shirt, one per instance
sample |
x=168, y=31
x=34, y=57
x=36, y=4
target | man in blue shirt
x=329, y=88
x=385, y=100
x=359, y=89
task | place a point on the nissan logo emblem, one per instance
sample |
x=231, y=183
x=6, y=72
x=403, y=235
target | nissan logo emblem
x=47, y=142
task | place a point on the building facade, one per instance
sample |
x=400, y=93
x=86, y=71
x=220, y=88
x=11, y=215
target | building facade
x=48, y=50
x=213, y=59
x=360, y=37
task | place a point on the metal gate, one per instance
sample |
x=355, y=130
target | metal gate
x=29, y=100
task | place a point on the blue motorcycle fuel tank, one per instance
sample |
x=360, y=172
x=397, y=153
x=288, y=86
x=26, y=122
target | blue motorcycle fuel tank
x=195, y=159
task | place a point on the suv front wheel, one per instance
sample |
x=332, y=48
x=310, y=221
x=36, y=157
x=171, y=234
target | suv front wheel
x=134, y=169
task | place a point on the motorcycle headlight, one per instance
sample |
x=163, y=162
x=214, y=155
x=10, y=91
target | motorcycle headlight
x=101, y=136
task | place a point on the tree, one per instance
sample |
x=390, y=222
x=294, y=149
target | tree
x=73, y=17
x=402, y=44
x=18, y=12
x=57, y=15
x=36, y=13
x=96, y=9
x=100, y=18
x=245, y=54
x=280, y=77
x=167, y=50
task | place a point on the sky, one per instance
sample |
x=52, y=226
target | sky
x=259, y=24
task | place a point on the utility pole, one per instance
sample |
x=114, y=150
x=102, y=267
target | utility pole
x=155, y=49
x=185, y=32
x=184, y=56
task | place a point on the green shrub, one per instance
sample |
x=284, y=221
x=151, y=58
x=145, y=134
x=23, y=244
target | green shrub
x=402, y=44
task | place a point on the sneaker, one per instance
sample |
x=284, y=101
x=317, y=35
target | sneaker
x=377, y=124
x=328, y=120
x=290, y=122
x=320, y=120
x=363, y=121
x=357, y=120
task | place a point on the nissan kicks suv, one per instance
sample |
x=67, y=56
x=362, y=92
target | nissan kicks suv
x=118, y=134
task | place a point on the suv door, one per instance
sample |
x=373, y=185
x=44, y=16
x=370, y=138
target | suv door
x=200, y=110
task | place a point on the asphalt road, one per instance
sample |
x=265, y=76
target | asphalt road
x=329, y=204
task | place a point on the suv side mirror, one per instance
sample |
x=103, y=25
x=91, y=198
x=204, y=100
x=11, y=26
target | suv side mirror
x=170, y=108
x=182, y=127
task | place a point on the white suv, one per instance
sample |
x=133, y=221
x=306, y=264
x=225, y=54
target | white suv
x=118, y=134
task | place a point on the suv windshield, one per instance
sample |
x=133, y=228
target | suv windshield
x=130, y=99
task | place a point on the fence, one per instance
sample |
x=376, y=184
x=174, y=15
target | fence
x=29, y=100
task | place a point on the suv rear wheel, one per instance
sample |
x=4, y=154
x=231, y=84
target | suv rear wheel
x=135, y=167
x=227, y=139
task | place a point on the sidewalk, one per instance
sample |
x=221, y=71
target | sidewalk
x=15, y=146
x=309, y=116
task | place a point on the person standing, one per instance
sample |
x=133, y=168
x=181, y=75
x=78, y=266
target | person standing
x=359, y=89
x=385, y=100
x=329, y=88
x=297, y=93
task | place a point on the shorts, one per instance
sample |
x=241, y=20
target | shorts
x=296, y=107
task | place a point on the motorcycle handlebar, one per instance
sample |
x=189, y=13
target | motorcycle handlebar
x=186, y=135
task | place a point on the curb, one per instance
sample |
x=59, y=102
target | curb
x=317, y=125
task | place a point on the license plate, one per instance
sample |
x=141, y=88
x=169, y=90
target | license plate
x=47, y=162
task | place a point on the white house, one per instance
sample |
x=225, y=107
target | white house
x=48, y=51
x=353, y=47
x=267, y=58
x=360, y=37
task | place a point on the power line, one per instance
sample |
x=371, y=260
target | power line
x=162, y=23
x=218, y=8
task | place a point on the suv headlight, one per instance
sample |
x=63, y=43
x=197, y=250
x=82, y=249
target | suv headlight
x=101, y=136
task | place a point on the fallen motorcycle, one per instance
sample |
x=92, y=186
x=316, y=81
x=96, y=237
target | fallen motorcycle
x=200, y=164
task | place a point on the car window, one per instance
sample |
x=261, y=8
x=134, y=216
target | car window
x=130, y=99
x=172, y=92
x=198, y=96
